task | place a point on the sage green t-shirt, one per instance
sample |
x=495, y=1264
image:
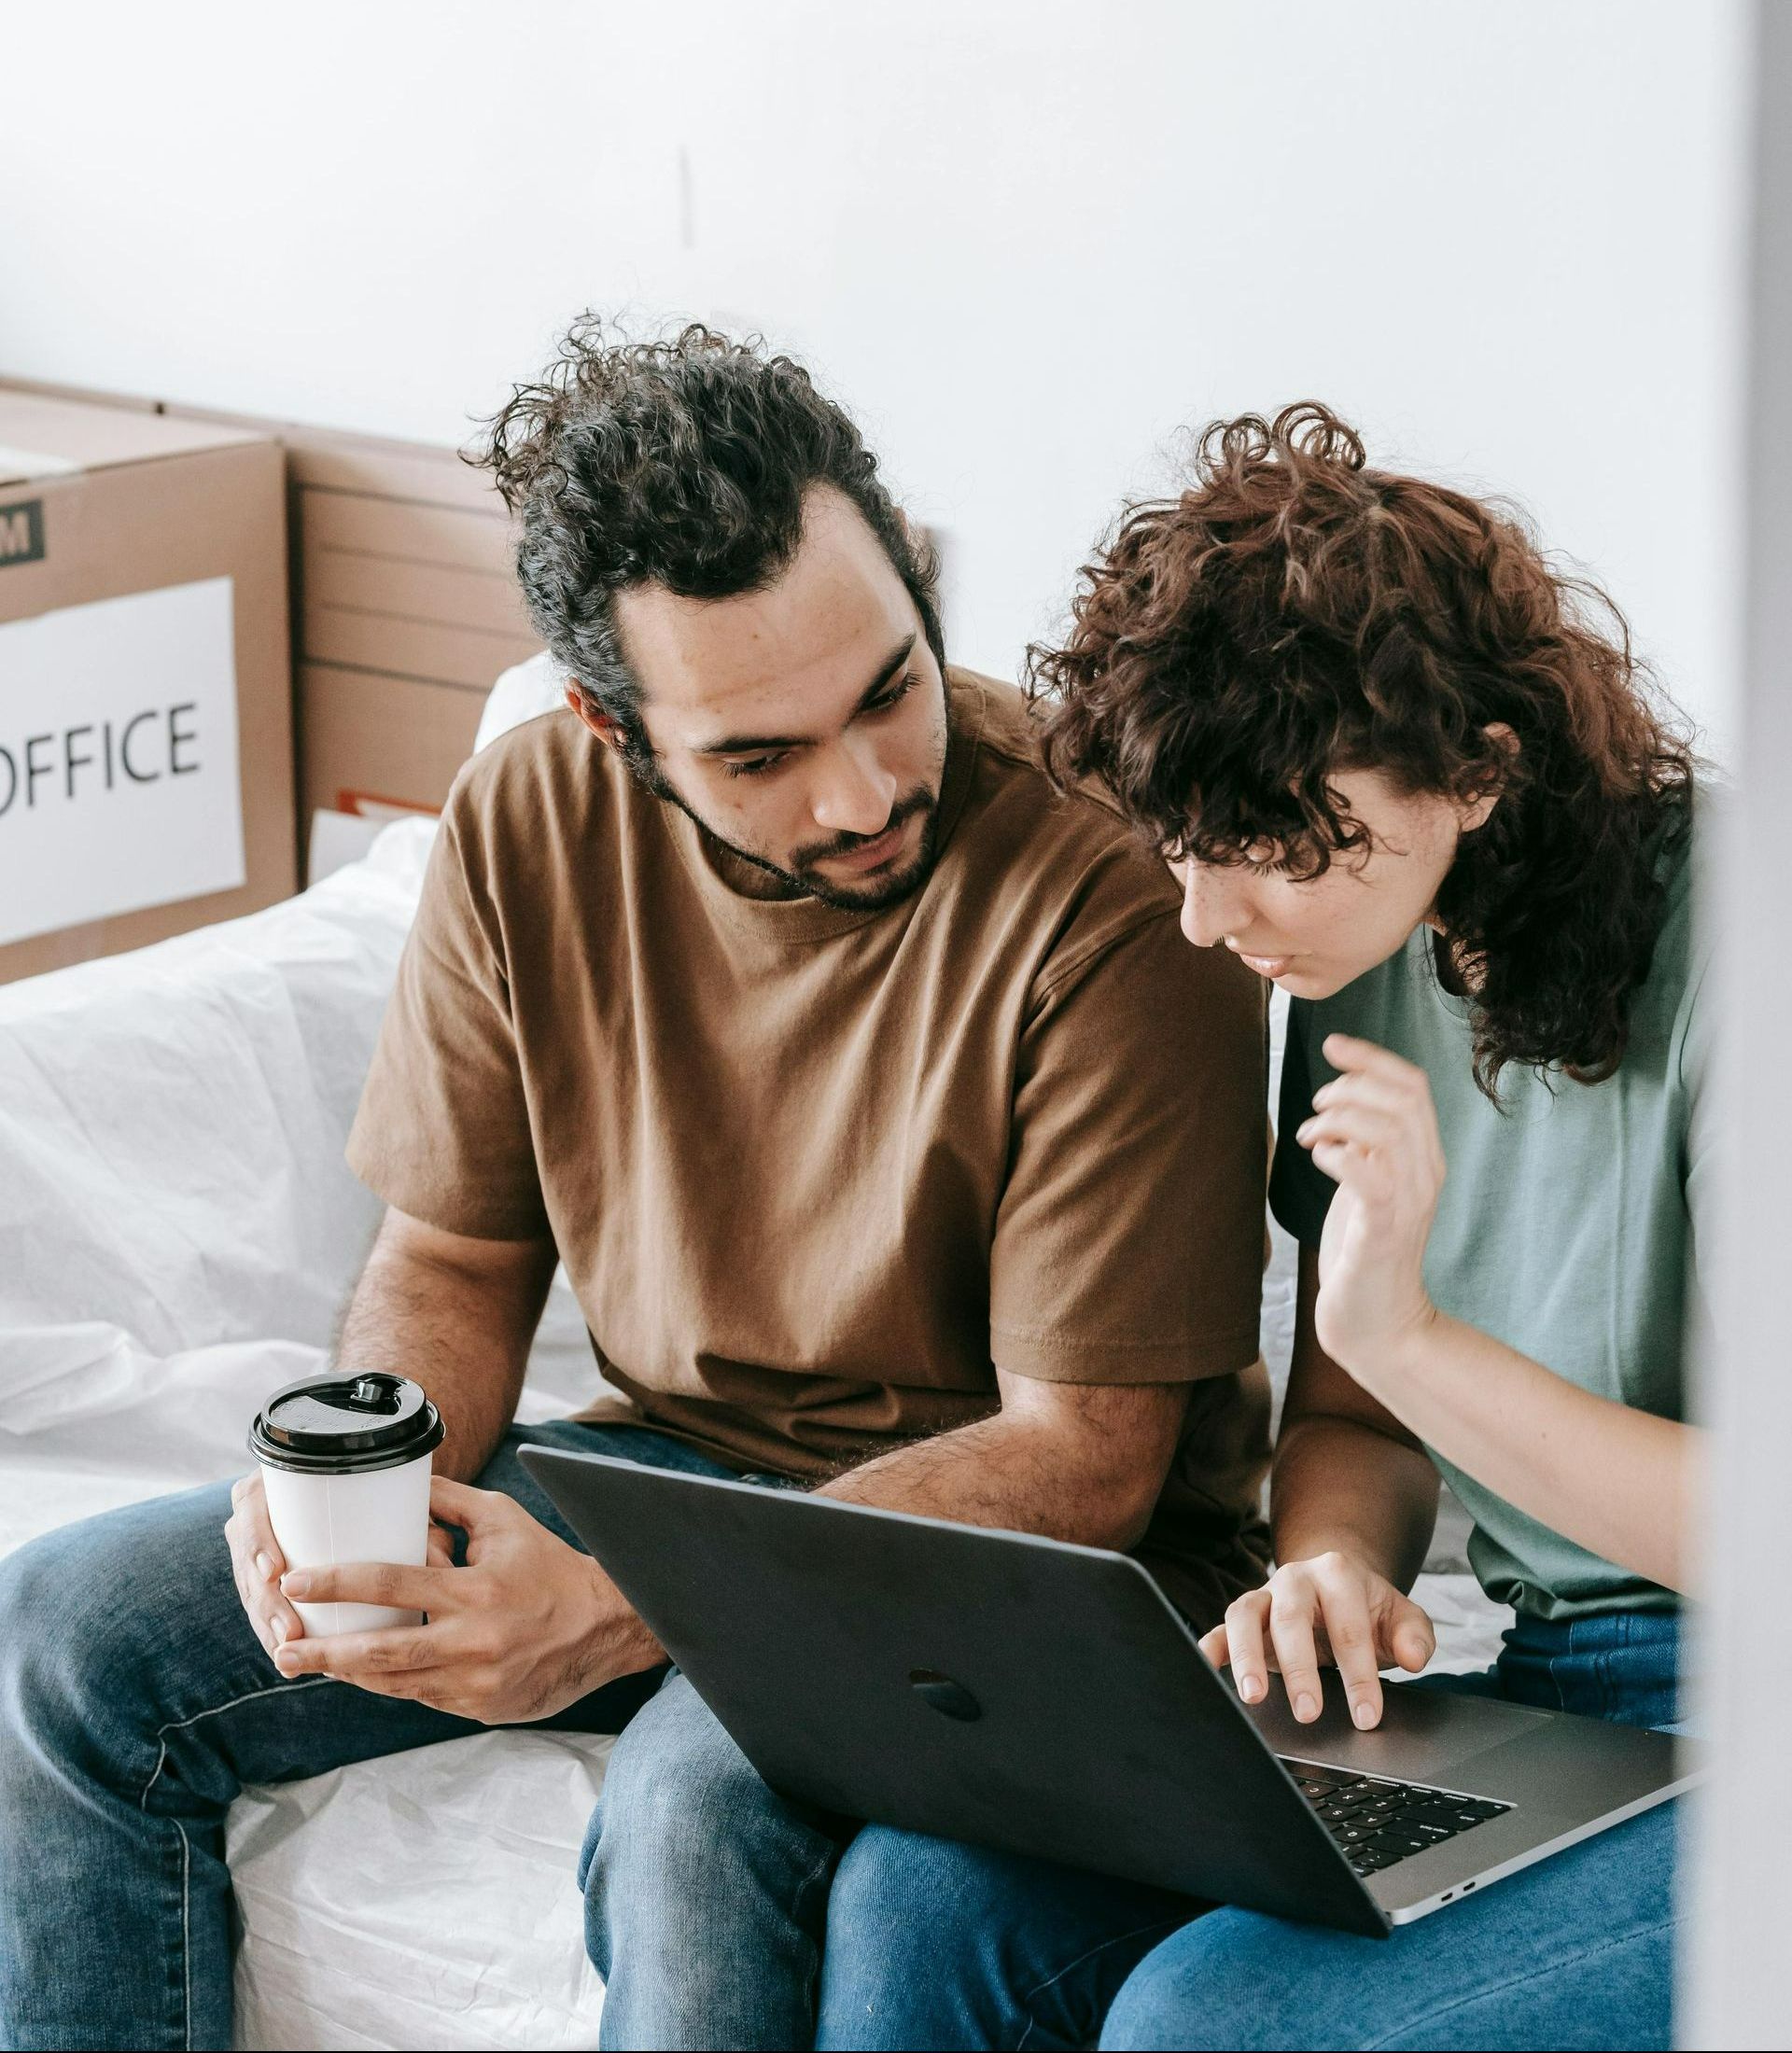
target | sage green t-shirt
x=1570, y=1220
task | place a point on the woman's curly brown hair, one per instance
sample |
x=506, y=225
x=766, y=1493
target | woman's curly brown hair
x=1293, y=615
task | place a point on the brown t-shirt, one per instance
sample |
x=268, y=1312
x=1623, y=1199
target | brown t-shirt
x=814, y=1174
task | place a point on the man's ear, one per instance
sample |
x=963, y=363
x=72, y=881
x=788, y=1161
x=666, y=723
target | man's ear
x=593, y=715
x=1480, y=809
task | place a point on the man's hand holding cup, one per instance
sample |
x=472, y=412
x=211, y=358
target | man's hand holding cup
x=341, y=1548
x=529, y=1625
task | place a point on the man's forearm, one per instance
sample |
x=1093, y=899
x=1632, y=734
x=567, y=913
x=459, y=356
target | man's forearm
x=1341, y=1486
x=464, y=1337
x=1088, y=1467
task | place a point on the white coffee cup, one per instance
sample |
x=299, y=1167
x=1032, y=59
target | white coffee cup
x=345, y=1461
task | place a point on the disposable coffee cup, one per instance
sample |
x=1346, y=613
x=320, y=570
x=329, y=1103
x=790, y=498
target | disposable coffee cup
x=345, y=1462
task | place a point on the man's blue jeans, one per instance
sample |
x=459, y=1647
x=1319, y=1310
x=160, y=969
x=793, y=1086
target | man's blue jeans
x=134, y=1702
x=724, y=1915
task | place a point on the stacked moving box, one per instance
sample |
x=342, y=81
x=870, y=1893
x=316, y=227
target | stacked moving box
x=408, y=610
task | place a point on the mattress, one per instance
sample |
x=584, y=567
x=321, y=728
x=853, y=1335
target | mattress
x=181, y=1230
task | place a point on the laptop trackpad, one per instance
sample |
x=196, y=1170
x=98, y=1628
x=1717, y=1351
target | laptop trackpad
x=1423, y=1733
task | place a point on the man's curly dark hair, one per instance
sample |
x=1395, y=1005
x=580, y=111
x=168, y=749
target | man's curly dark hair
x=1293, y=615
x=682, y=463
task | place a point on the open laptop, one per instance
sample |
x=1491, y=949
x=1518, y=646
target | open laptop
x=1047, y=1699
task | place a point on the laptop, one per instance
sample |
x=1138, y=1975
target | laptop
x=1026, y=1693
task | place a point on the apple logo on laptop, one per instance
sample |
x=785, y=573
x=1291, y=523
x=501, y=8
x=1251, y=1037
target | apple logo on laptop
x=950, y=1698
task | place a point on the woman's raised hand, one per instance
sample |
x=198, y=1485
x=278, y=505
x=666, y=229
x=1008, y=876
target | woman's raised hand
x=1374, y=1132
x=1330, y=1611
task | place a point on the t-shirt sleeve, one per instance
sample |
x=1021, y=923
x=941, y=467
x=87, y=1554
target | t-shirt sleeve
x=1130, y=1237
x=442, y=1131
x=1300, y=1192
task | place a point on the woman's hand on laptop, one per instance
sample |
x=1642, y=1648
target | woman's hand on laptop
x=1330, y=1611
x=528, y=1626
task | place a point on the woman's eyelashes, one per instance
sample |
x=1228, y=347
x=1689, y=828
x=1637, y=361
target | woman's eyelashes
x=756, y=767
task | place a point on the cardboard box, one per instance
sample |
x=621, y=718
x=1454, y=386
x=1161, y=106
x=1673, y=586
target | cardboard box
x=146, y=725
x=356, y=524
x=381, y=740
x=412, y=590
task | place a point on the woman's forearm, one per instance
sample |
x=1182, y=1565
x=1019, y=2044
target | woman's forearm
x=1620, y=1483
x=1341, y=1486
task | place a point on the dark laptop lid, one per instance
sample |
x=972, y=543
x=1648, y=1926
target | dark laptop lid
x=988, y=1686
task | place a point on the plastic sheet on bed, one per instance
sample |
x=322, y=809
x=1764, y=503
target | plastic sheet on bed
x=428, y=1900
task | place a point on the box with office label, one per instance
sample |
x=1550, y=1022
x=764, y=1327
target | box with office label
x=146, y=727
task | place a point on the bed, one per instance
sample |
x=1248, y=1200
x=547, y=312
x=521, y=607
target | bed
x=180, y=1231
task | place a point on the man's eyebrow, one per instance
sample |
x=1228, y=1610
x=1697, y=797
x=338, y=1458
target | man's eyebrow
x=746, y=745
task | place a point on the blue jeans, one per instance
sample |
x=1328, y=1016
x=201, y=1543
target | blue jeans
x=721, y=1914
x=134, y=1702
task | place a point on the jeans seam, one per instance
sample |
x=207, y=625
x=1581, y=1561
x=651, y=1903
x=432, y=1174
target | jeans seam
x=1518, y=1981
x=1070, y=1967
x=813, y=1982
x=212, y=1710
x=180, y=1724
x=185, y=1935
x=172, y=1895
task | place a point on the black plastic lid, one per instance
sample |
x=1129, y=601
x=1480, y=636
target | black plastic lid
x=344, y=1424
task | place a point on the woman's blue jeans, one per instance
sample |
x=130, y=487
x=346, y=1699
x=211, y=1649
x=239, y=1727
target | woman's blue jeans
x=931, y=1944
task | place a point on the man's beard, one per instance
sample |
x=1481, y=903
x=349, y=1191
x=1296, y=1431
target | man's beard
x=800, y=880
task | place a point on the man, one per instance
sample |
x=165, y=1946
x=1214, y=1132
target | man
x=851, y=1075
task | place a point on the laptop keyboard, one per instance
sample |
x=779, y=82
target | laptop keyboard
x=1378, y=1822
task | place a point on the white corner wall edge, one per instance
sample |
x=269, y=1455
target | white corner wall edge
x=1737, y=1966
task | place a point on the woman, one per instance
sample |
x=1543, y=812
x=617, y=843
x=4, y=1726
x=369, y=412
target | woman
x=1413, y=777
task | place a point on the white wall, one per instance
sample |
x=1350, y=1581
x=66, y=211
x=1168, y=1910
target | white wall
x=1024, y=242
x=1739, y=1990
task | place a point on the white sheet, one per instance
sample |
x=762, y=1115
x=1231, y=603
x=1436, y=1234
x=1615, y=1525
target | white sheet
x=428, y=1901
x=179, y=1230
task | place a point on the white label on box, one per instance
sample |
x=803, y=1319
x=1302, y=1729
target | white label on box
x=120, y=785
